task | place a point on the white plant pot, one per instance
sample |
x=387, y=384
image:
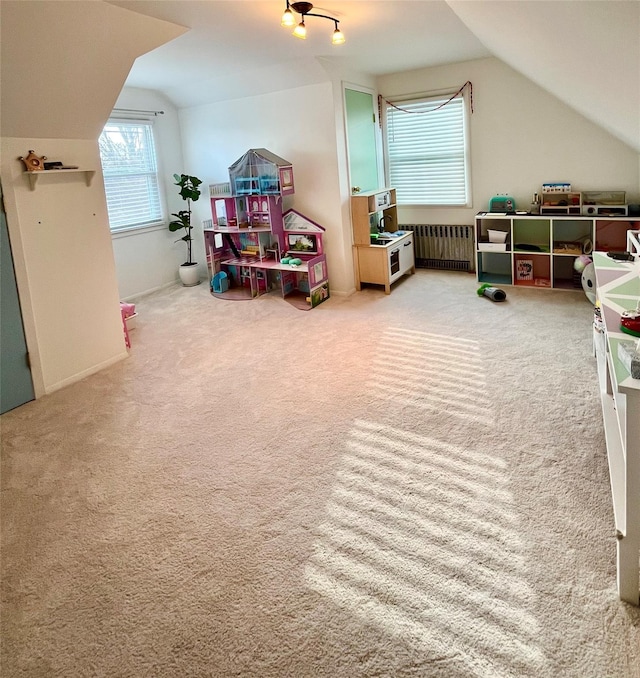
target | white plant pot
x=189, y=275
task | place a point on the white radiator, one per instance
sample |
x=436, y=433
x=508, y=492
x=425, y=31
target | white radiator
x=443, y=246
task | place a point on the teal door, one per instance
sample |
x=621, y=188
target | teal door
x=16, y=386
x=361, y=140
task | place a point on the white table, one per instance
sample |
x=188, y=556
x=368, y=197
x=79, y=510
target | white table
x=618, y=289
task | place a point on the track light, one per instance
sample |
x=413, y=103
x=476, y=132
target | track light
x=304, y=9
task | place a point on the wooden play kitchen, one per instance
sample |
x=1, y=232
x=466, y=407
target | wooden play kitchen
x=382, y=254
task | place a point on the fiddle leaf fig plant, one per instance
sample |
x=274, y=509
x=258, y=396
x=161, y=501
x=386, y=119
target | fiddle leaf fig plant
x=189, y=192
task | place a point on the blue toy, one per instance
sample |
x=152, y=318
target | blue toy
x=220, y=282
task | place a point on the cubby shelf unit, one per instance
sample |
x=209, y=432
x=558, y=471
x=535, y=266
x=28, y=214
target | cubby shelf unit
x=540, y=251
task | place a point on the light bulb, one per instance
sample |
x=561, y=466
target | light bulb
x=338, y=37
x=288, y=19
x=300, y=31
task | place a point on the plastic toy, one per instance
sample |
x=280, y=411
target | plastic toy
x=493, y=293
x=220, y=282
x=630, y=322
x=589, y=282
x=584, y=265
x=581, y=262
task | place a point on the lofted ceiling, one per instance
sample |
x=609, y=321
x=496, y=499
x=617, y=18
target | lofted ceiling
x=235, y=47
x=585, y=52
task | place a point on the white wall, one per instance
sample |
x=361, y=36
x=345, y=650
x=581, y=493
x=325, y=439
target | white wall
x=344, y=77
x=55, y=101
x=148, y=259
x=61, y=248
x=298, y=125
x=521, y=136
x=63, y=64
x=585, y=53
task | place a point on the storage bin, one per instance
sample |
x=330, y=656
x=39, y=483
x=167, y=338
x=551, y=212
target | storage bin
x=497, y=236
x=492, y=247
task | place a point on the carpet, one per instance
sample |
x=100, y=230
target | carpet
x=404, y=485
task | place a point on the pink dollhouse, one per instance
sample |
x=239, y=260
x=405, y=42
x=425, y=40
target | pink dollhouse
x=253, y=246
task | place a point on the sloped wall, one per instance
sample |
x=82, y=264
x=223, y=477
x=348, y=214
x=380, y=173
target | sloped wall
x=585, y=53
x=64, y=263
x=520, y=137
x=63, y=66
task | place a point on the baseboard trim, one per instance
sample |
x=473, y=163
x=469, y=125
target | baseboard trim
x=146, y=293
x=86, y=373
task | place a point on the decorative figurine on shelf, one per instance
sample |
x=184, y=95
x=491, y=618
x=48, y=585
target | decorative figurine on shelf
x=33, y=162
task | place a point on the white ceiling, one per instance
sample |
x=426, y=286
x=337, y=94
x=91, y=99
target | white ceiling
x=243, y=39
x=585, y=52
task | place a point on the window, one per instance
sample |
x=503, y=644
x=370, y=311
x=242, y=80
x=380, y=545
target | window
x=130, y=170
x=427, y=156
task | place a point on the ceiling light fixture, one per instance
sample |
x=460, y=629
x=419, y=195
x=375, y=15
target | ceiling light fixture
x=304, y=9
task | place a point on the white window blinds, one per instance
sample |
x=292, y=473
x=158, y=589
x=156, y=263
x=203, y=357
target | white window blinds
x=427, y=151
x=130, y=170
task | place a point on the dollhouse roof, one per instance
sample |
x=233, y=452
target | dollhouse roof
x=258, y=157
x=295, y=222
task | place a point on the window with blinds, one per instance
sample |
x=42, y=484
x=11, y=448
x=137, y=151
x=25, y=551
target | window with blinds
x=130, y=170
x=426, y=146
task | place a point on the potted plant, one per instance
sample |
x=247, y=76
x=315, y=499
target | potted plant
x=190, y=192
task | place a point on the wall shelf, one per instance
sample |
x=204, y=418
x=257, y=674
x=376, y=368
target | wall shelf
x=34, y=176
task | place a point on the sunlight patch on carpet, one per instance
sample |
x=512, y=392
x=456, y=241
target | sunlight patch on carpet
x=421, y=535
x=433, y=373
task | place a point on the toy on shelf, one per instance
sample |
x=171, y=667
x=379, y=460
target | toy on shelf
x=220, y=282
x=630, y=322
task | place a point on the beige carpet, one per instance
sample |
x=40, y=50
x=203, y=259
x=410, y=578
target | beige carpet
x=403, y=485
